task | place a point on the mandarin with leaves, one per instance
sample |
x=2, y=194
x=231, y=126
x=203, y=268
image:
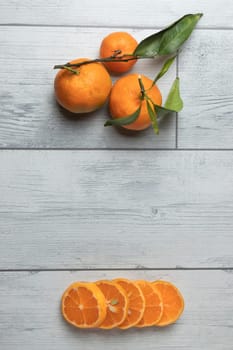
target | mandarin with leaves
x=127, y=98
x=118, y=45
x=82, y=89
x=119, y=51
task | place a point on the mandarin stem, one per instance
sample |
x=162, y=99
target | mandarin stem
x=141, y=87
x=70, y=69
x=123, y=58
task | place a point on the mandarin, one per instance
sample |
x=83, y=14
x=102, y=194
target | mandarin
x=122, y=43
x=126, y=97
x=85, y=91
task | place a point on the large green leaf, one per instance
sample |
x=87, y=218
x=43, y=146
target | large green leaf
x=173, y=102
x=170, y=39
x=124, y=120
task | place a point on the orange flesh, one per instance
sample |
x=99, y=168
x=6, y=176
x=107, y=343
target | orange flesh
x=153, y=308
x=136, y=303
x=172, y=300
x=83, y=305
x=116, y=303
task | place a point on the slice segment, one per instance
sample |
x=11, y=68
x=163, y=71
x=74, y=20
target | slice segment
x=173, y=302
x=136, y=301
x=116, y=303
x=83, y=305
x=153, y=308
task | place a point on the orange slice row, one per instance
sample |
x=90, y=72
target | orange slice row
x=121, y=303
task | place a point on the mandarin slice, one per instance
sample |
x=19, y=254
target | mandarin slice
x=153, y=308
x=116, y=302
x=83, y=305
x=136, y=300
x=173, y=302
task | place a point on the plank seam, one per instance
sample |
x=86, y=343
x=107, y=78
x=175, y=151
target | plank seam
x=103, y=26
x=123, y=269
x=119, y=149
x=177, y=76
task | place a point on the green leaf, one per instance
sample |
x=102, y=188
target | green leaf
x=164, y=69
x=162, y=111
x=170, y=39
x=153, y=117
x=124, y=120
x=173, y=102
x=114, y=302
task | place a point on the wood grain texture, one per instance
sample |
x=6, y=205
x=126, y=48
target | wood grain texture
x=114, y=209
x=206, y=72
x=31, y=319
x=30, y=117
x=102, y=209
x=115, y=13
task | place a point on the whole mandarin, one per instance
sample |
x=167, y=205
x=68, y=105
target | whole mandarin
x=125, y=99
x=121, y=42
x=85, y=91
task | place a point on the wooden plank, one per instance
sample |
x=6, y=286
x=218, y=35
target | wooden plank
x=30, y=118
x=104, y=13
x=206, y=84
x=98, y=209
x=30, y=313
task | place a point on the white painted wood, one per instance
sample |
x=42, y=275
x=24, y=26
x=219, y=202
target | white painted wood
x=206, y=72
x=117, y=209
x=31, y=319
x=30, y=118
x=115, y=13
x=85, y=209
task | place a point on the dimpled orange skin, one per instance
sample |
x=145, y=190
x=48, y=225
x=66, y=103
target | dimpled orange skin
x=84, y=92
x=125, y=100
x=122, y=41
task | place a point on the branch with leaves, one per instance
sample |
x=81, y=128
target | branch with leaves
x=166, y=42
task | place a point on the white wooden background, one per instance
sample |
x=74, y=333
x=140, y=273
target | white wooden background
x=81, y=202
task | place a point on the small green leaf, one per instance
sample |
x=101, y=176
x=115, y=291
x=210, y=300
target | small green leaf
x=170, y=39
x=153, y=117
x=164, y=69
x=173, y=102
x=124, y=120
x=161, y=111
x=114, y=302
